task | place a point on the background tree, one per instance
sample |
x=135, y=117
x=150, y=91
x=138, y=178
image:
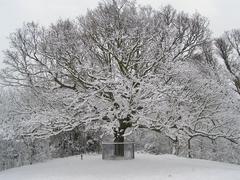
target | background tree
x=228, y=50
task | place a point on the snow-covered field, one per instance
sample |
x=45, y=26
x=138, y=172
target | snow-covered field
x=144, y=167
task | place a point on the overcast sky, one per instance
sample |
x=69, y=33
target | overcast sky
x=223, y=14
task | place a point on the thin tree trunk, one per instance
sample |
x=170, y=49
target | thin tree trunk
x=175, y=146
x=189, y=148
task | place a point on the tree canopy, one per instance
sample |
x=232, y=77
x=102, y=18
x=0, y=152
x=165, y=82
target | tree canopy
x=120, y=67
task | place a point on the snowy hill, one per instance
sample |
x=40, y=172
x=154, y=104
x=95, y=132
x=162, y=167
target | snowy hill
x=144, y=167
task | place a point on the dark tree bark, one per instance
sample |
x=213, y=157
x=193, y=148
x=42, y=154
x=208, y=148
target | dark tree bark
x=189, y=148
x=119, y=136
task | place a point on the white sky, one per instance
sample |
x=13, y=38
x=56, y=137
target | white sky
x=223, y=14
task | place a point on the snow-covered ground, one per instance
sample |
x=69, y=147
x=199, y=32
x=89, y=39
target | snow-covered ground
x=144, y=167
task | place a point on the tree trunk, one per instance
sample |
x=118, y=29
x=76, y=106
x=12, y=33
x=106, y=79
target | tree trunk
x=119, y=135
x=119, y=139
x=175, y=146
x=189, y=148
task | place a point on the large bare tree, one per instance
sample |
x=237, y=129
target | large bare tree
x=117, y=67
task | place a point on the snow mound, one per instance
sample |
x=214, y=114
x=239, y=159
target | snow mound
x=144, y=167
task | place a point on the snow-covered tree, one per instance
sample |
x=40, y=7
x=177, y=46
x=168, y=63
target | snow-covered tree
x=120, y=68
x=228, y=50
